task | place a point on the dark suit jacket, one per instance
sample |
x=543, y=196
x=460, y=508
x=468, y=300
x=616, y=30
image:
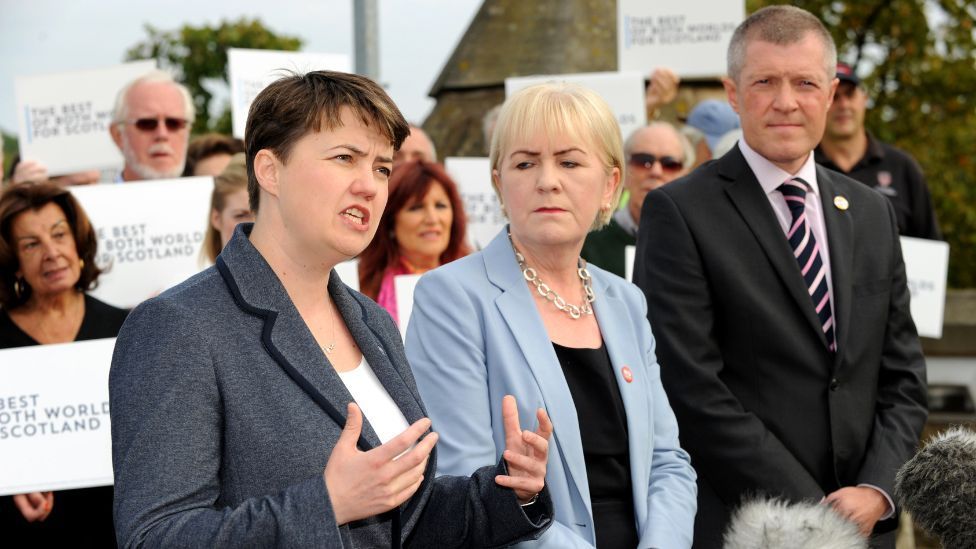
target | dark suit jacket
x=763, y=407
x=224, y=411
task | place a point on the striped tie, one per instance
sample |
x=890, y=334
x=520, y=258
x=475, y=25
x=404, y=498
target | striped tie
x=806, y=249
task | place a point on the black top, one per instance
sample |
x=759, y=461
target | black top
x=83, y=517
x=895, y=174
x=603, y=431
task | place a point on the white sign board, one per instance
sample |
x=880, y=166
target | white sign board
x=691, y=37
x=630, y=252
x=348, y=272
x=149, y=234
x=404, y=285
x=926, y=267
x=54, y=423
x=250, y=71
x=623, y=91
x=481, y=206
x=64, y=118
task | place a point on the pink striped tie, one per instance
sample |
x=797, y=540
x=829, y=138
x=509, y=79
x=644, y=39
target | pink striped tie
x=807, y=253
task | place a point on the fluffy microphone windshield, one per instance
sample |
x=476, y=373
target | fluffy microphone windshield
x=938, y=488
x=776, y=524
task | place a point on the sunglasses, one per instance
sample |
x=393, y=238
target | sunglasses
x=150, y=124
x=647, y=160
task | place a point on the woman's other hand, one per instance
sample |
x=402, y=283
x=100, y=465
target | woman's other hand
x=35, y=506
x=525, y=452
x=365, y=484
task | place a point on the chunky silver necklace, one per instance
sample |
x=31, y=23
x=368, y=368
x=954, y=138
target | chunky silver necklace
x=574, y=311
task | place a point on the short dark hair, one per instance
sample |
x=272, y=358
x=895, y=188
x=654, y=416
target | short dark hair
x=298, y=104
x=410, y=182
x=208, y=145
x=17, y=199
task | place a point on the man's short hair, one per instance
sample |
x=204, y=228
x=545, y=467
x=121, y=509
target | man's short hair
x=299, y=104
x=121, y=111
x=781, y=25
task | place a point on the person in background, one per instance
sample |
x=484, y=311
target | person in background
x=656, y=154
x=228, y=207
x=151, y=127
x=47, y=264
x=209, y=154
x=417, y=146
x=526, y=316
x=264, y=403
x=847, y=147
x=779, y=300
x=714, y=118
x=422, y=227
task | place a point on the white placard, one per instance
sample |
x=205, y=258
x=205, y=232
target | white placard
x=348, y=272
x=690, y=37
x=250, y=71
x=149, y=232
x=630, y=252
x=481, y=206
x=54, y=424
x=64, y=118
x=926, y=267
x=404, y=285
x=623, y=91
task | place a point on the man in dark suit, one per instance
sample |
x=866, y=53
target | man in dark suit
x=777, y=293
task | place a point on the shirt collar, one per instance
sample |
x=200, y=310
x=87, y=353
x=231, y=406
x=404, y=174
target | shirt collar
x=771, y=176
x=626, y=222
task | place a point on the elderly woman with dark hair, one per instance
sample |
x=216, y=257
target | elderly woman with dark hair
x=423, y=227
x=47, y=263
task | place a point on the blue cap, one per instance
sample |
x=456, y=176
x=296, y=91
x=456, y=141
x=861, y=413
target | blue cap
x=713, y=118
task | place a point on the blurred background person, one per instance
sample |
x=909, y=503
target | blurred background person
x=228, y=207
x=151, y=126
x=423, y=227
x=47, y=264
x=714, y=118
x=209, y=154
x=656, y=154
x=417, y=146
x=526, y=316
x=847, y=147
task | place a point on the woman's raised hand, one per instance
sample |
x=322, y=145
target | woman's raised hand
x=35, y=506
x=365, y=484
x=526, y=452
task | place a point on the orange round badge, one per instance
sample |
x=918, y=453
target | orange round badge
x=628, y=375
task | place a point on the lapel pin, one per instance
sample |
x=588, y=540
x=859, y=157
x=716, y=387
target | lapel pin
x=628, y=375
x=841, y=203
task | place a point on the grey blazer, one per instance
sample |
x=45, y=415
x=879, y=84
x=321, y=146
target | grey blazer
x=224, y=412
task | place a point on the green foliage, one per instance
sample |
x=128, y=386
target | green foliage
x=10, y=150
x=198, y=55
x=922, y=73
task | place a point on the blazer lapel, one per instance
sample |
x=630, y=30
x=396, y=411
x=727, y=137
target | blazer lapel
x=749, y=199
x=517, y=308
x=285, y=336
x=840, y=236
x=621, y=337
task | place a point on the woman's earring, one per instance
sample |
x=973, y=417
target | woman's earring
x=19, y=287
x=81, y=263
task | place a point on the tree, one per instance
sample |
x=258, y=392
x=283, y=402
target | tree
x=197, y=56
x=918, y=60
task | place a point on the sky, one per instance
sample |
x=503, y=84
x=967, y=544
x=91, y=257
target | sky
x=49, y=36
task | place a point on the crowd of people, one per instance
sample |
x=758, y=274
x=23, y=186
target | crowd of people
x=544, y=395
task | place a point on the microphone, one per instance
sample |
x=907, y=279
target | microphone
x=938, y=487
x=777, y=524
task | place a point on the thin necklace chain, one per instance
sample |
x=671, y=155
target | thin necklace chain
x=328, y=348
x=574, y=311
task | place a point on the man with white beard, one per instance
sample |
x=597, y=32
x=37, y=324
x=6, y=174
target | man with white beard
x=151, y=126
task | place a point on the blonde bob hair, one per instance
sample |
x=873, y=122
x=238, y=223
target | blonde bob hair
x=559, y=108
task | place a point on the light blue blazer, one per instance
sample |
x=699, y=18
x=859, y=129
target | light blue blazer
x=475, y=336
